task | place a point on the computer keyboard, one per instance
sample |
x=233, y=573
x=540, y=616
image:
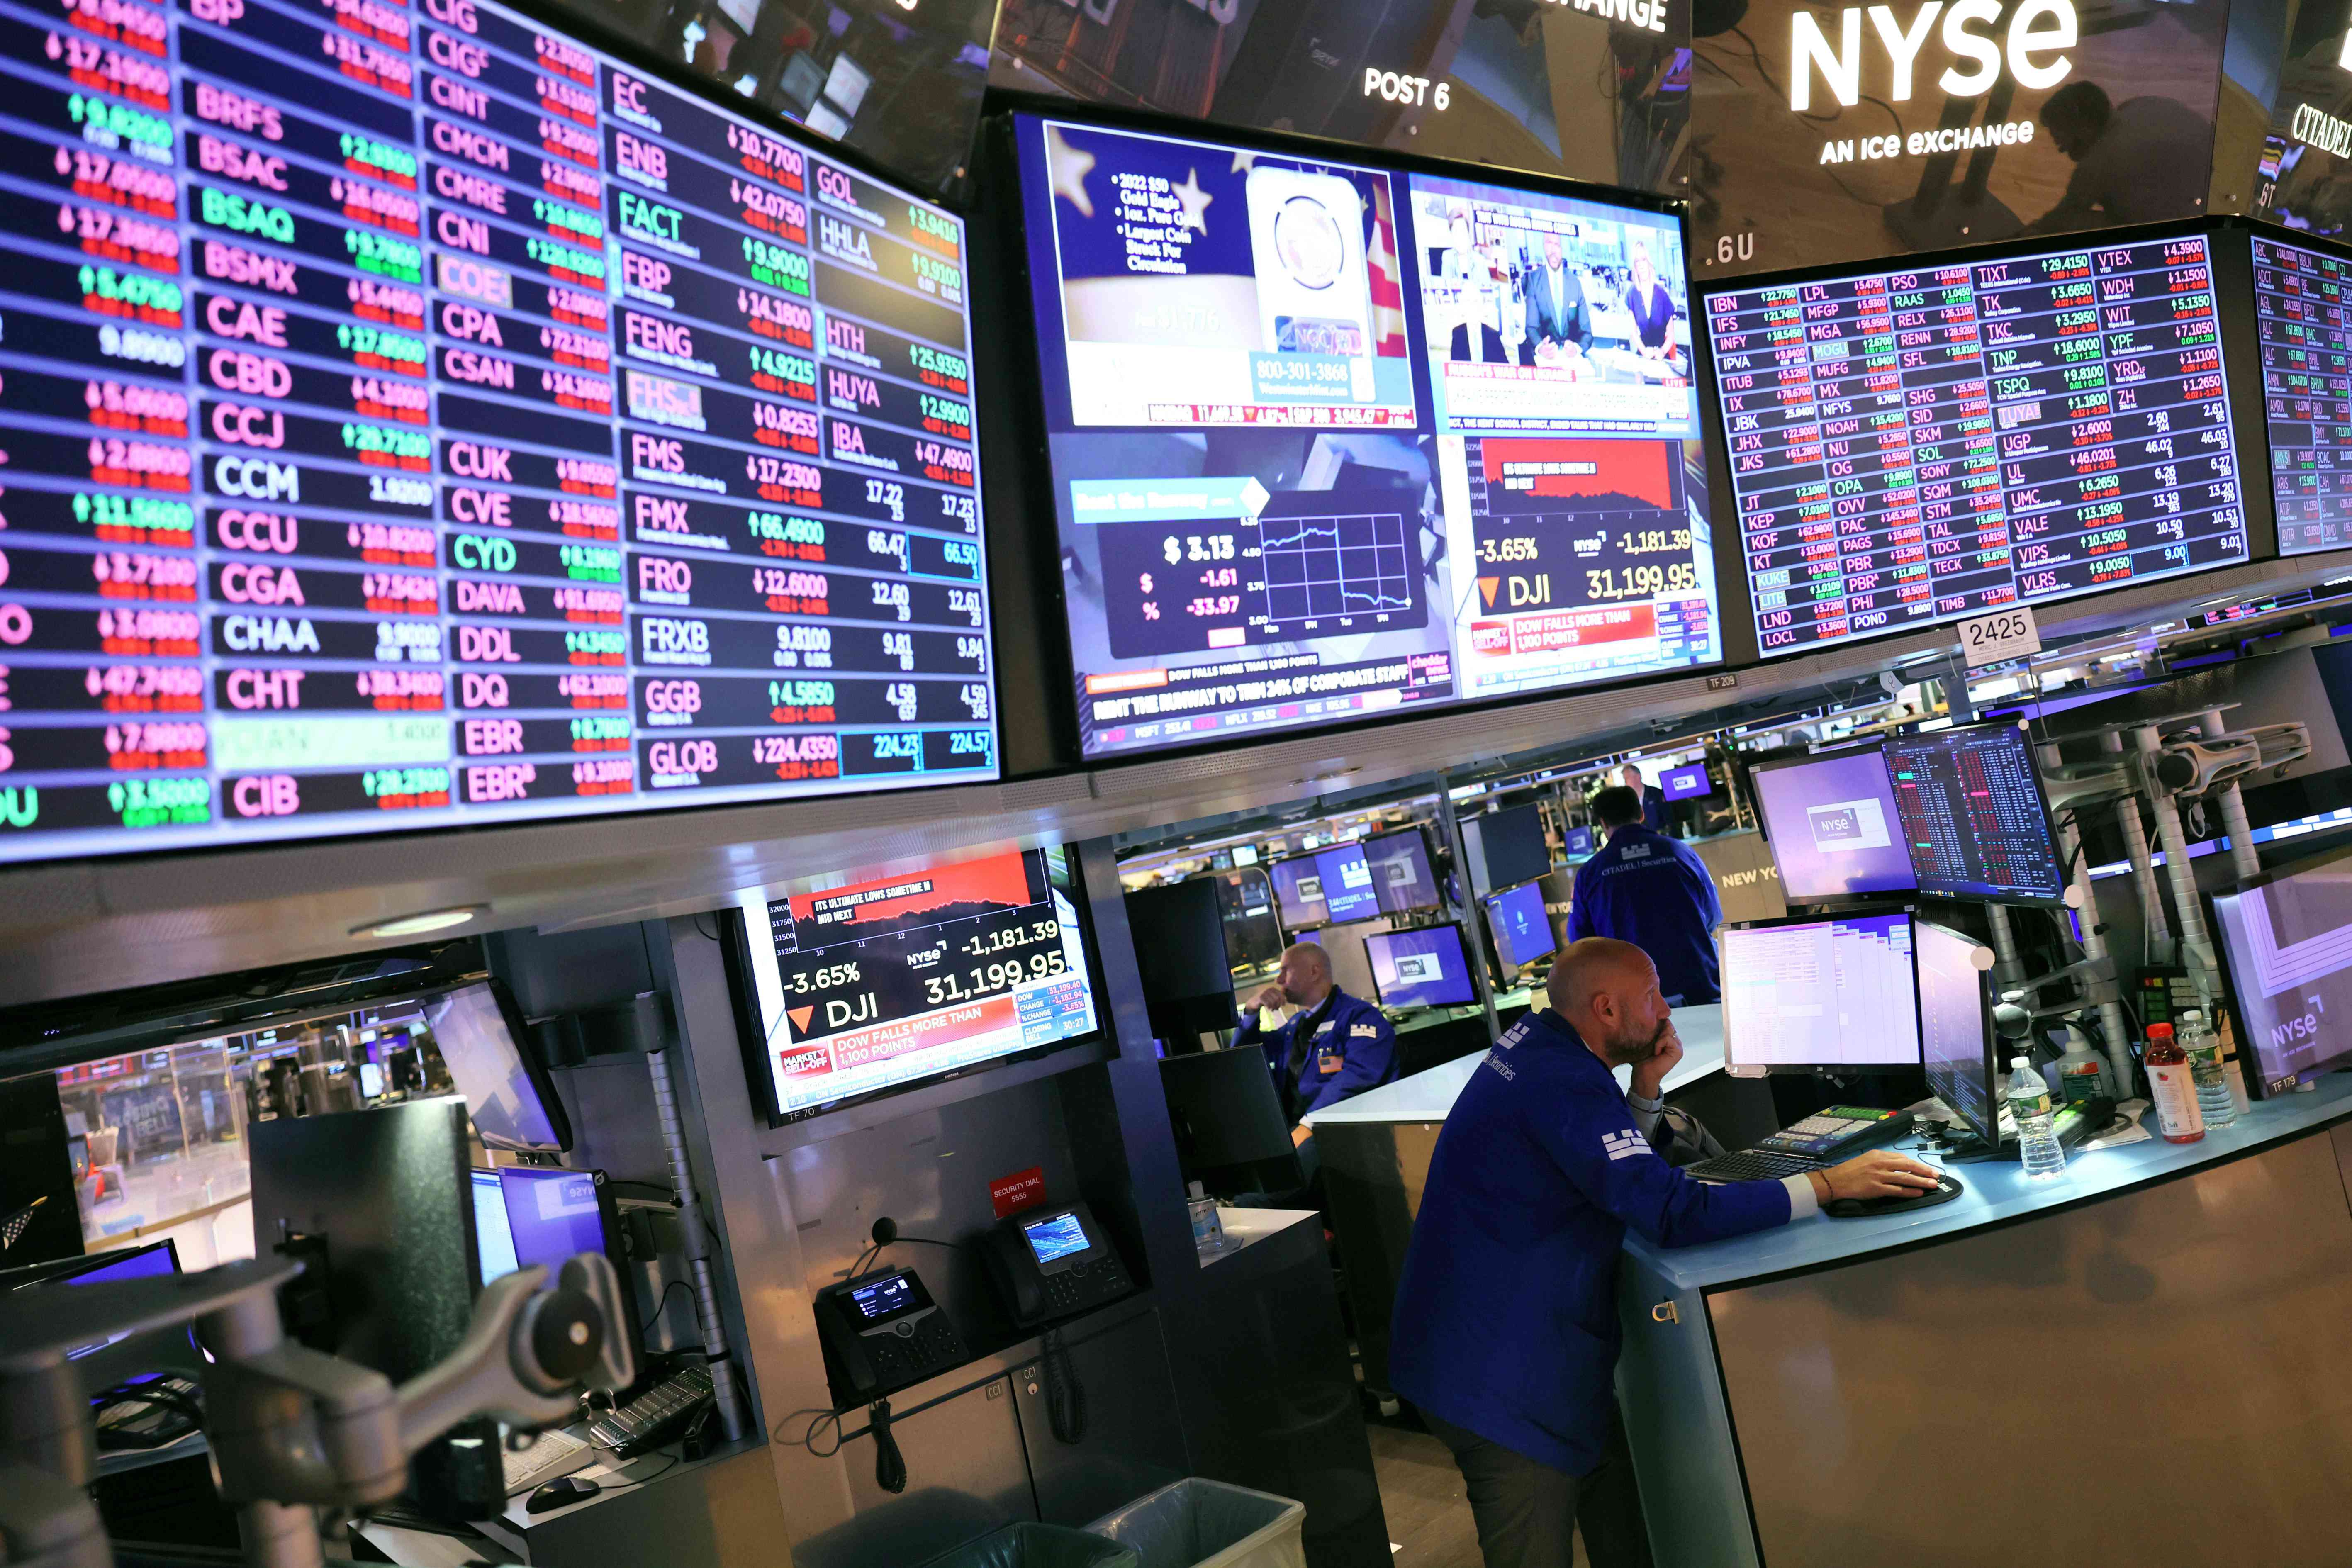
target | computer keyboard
x=1752, y=1165
x=654, y=1416
x=551, y=1454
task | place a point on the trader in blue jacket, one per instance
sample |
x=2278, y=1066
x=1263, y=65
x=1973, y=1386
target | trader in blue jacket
x=1653, y=890
x=1335, y=1048
x=1506, y=1331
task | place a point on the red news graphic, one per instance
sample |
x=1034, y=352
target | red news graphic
x=1553, y=631
x=839, y=913
x=1592, y=473
x=924, y=1032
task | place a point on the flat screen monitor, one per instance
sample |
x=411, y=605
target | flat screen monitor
x=508, y=1092
x=1521, y=927
x=1686, y=782
x=1837, y=995
x=1349, y=893
x=1225, y=1110
x=871, y=986
x=1425, y=967
x=2299, y=308
x=2286, y=937
x=1298, y=892
x=552, y=1215
x=1181, y=957
x=1510, y=847
x=153, y=1260
x=1921, y=445
x=1578, y=842
x=1351, y=969
x=1401, y=871
x=494, y=1241
x=529, y=507
x=1433, y=439
x=1834, y=825
x=1973, y=815
x=1956, y=1035
x=1253, y=926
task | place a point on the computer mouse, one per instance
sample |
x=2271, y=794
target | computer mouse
x=560, y=1492
x=1947, y=1188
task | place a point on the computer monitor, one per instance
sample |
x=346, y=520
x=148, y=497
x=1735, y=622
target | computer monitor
x=1835, y=994
x=1686, y=782
x=1505, y=848
x=1521, y=929
x=1834, y=825
x=1253, y=928
x=371, y=1081
x=1578, y=842
x=494, y=1245
x=1401, y=871
x=1347, y=890
x=1351, y=971
x=1180, y=950
x=480, y=1031
x=552, y=1214
x=1227, y=1117
x=155, y=1258
x=1298, y=892
x=1974, y=818
x=2287, y=941
x=1426, y=967
x=1956, y=1035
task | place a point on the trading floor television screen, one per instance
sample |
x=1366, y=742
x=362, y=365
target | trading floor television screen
x=423, y=420
x=1911, y=446
x=876, y=985
x=2299, y=308
x=1330, y=441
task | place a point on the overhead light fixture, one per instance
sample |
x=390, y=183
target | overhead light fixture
x=418, y=924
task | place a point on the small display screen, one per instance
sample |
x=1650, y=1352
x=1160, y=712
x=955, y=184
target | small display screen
x=1687, y=783
x=2289, y=944
x=1973, y=815
x=1834, y=825
x=1421, y=968
x=1579, y=841
x=486, y=1060
x=888, y=1298
x=1952, y=1035
x=1298, y=892
x=1063, y=1236
x=2306, y=392
x=1820, y=994
x=1347, y=890
x=552, y=1214
x=1400, y=873
x=1522, y=929
x=1917, y=446
x=494, y=1244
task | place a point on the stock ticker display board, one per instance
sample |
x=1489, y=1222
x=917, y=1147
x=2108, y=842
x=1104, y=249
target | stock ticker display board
x=1914, y=447
x=414, y=418
x=2299, y=304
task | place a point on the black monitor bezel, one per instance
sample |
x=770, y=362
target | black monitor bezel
x=1460, y=941
x=735, y=939
x=1831, y=1069
x=2041, y=794
x=1843, y=903
x=559, y=1122
x=2233, y=310
x=1487, y=901
x=999, y=136
x=2337, y=250
x=1428, y=862
x=1991, y=1062
x=2258, y=1087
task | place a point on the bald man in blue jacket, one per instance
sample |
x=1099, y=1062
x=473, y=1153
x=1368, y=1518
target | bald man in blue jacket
x=1506, y=1330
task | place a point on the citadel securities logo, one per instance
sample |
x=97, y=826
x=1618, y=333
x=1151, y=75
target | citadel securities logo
x=1848, y=825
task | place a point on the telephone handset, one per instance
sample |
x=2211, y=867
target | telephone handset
x=883, y=1331
x=1053, y=1262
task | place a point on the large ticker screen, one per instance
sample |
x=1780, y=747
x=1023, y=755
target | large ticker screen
x=414, y=418
x=876, y=985
x=1911, y=446
x=2299, y=306
x=1330, y=441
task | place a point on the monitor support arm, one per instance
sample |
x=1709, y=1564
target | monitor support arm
x=291, y=1430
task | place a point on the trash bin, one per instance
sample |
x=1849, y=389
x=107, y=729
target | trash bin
x=1198, y=1523
x=1037, y=1546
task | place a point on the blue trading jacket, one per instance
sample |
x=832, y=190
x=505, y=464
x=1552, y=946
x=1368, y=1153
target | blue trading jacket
x=1655, y=892
x=1354, y=1049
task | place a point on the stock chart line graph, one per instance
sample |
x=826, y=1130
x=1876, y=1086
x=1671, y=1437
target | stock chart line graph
x=1338, y=568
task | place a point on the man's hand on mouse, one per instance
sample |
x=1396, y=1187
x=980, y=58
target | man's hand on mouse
x=1881, y=1174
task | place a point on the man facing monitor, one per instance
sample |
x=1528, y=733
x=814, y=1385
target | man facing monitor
x=1652, y=890
x=1506, y=1331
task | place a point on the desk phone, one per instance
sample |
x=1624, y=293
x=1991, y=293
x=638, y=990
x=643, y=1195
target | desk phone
x=1055, y=1262
x=1831, y=1135
x=883, y=1331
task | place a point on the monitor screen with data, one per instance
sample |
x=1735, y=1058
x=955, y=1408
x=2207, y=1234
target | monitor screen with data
x=1521, y=926
x=1916, y=446
x=1834, y=825
x=1955, y=1037
x=2306, y=341
x=1833, y=996
x=416, y=418
x=1331, y=440
x=1973, y=815
x=870, y=987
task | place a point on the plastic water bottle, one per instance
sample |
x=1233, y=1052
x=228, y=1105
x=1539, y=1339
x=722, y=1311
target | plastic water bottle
x=2203, y=1048
x=2037, y=1141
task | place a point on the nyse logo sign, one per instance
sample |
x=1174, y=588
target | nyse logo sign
x=2037, y=31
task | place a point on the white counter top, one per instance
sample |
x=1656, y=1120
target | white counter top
x=1429, y=1096
x=1245, y=1226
